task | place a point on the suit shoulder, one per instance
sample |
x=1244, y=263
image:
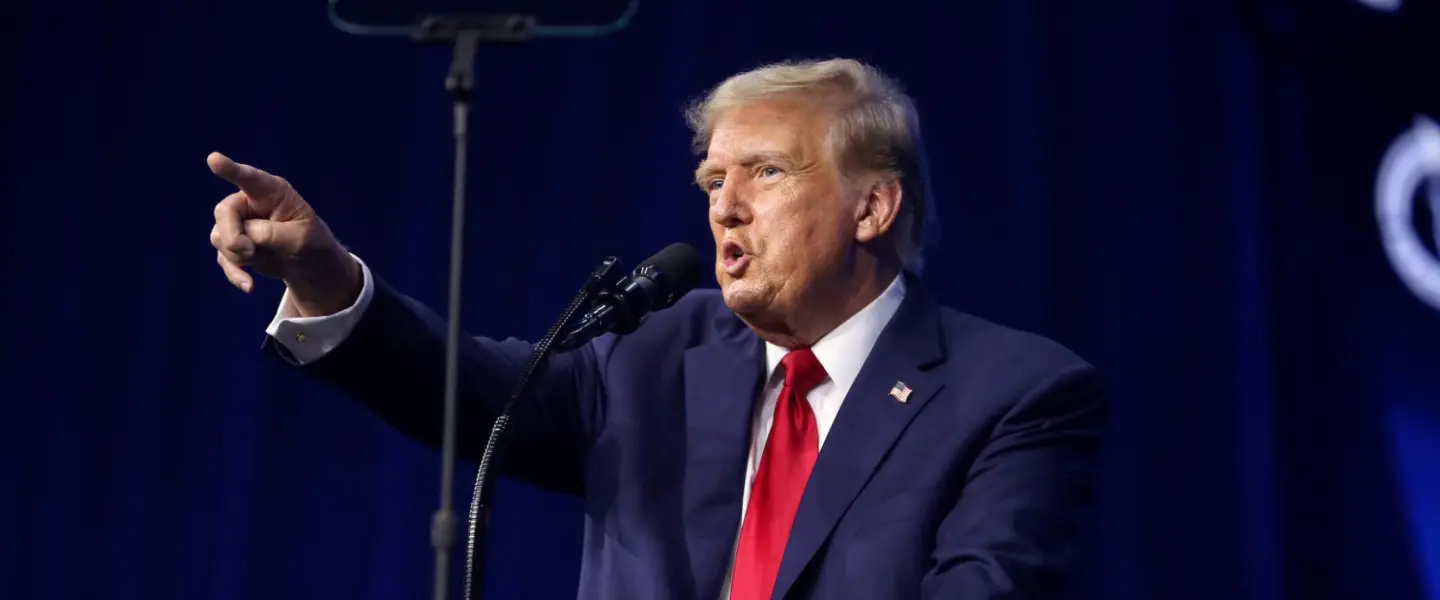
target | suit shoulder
x=705, y=301
x=697, y=309
x=1025, y=358
x=692, y=320
x=1011, y=373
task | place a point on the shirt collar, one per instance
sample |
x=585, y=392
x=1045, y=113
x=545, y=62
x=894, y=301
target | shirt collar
x=843, y=351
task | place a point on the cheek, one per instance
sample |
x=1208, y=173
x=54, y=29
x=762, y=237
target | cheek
x=818, y=226
x=796, y=245
x=798, y=225
x=781, y=229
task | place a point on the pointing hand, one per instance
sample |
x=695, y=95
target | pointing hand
x=267, y=227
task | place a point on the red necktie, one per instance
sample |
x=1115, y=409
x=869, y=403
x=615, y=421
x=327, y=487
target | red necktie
x=790, y=452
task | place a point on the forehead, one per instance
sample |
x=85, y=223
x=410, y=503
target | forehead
x=791, y=127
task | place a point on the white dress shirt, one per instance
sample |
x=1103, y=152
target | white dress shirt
x=309, y=338
x=841, y=352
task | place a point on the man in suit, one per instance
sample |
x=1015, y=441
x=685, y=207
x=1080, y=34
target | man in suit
x=817, y=428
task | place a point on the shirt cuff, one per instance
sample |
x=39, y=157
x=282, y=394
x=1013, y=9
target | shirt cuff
x=309, y=339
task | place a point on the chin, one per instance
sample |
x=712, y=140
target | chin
x=743, y=297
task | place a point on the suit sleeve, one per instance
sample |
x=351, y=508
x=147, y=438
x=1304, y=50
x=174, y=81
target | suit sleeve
x=1015, y=531
x=393, y=363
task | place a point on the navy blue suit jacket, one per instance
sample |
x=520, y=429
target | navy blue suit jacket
x=973, y=489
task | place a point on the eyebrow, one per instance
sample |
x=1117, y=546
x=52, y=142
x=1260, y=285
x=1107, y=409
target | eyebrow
x=706, y=167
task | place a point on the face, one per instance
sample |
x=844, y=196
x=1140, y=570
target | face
x=783, y=215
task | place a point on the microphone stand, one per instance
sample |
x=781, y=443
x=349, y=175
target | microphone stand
x=602, y=277
x=466, y=33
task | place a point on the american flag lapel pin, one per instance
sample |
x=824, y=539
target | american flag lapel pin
x=901, y=392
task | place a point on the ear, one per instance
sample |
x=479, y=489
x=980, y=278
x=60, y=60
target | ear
x=879, y=208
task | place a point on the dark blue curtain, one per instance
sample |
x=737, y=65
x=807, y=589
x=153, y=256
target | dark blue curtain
x=1182, y=191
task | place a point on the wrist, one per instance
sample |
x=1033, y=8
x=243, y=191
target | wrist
x=330, y=290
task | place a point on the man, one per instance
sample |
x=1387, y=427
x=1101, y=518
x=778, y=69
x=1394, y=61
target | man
x=818, y=428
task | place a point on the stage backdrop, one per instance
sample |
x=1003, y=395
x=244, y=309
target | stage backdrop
x=1181, y=191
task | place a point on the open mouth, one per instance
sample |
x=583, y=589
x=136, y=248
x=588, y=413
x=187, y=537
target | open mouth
x=734, y=258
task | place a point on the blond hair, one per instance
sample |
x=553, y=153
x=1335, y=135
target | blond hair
x=876, y=127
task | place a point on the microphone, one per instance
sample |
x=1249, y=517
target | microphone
x=656, y=284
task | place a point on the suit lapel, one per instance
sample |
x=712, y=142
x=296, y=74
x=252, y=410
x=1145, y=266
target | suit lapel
x=869, y=423
x=722, y=380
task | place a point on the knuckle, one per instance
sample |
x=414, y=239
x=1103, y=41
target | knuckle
x=258, y=231
x=228, y=207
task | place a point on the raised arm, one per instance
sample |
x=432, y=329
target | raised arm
x=343, y=325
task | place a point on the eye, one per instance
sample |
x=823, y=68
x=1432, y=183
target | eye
x=714, y=184
x=769, y=172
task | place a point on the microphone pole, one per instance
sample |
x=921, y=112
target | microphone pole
x=465, y=33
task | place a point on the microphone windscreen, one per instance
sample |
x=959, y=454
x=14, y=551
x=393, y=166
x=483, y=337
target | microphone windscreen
x=682, y=267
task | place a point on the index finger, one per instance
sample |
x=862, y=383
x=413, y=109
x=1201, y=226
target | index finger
x=249, y=179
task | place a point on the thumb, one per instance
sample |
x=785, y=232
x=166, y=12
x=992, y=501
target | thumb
x=284, y=236
x=255, y=183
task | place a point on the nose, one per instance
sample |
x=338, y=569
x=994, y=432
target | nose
x=730, y=207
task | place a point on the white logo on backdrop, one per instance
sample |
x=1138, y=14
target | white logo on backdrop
x=1412, y=161
x=1382, y=5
